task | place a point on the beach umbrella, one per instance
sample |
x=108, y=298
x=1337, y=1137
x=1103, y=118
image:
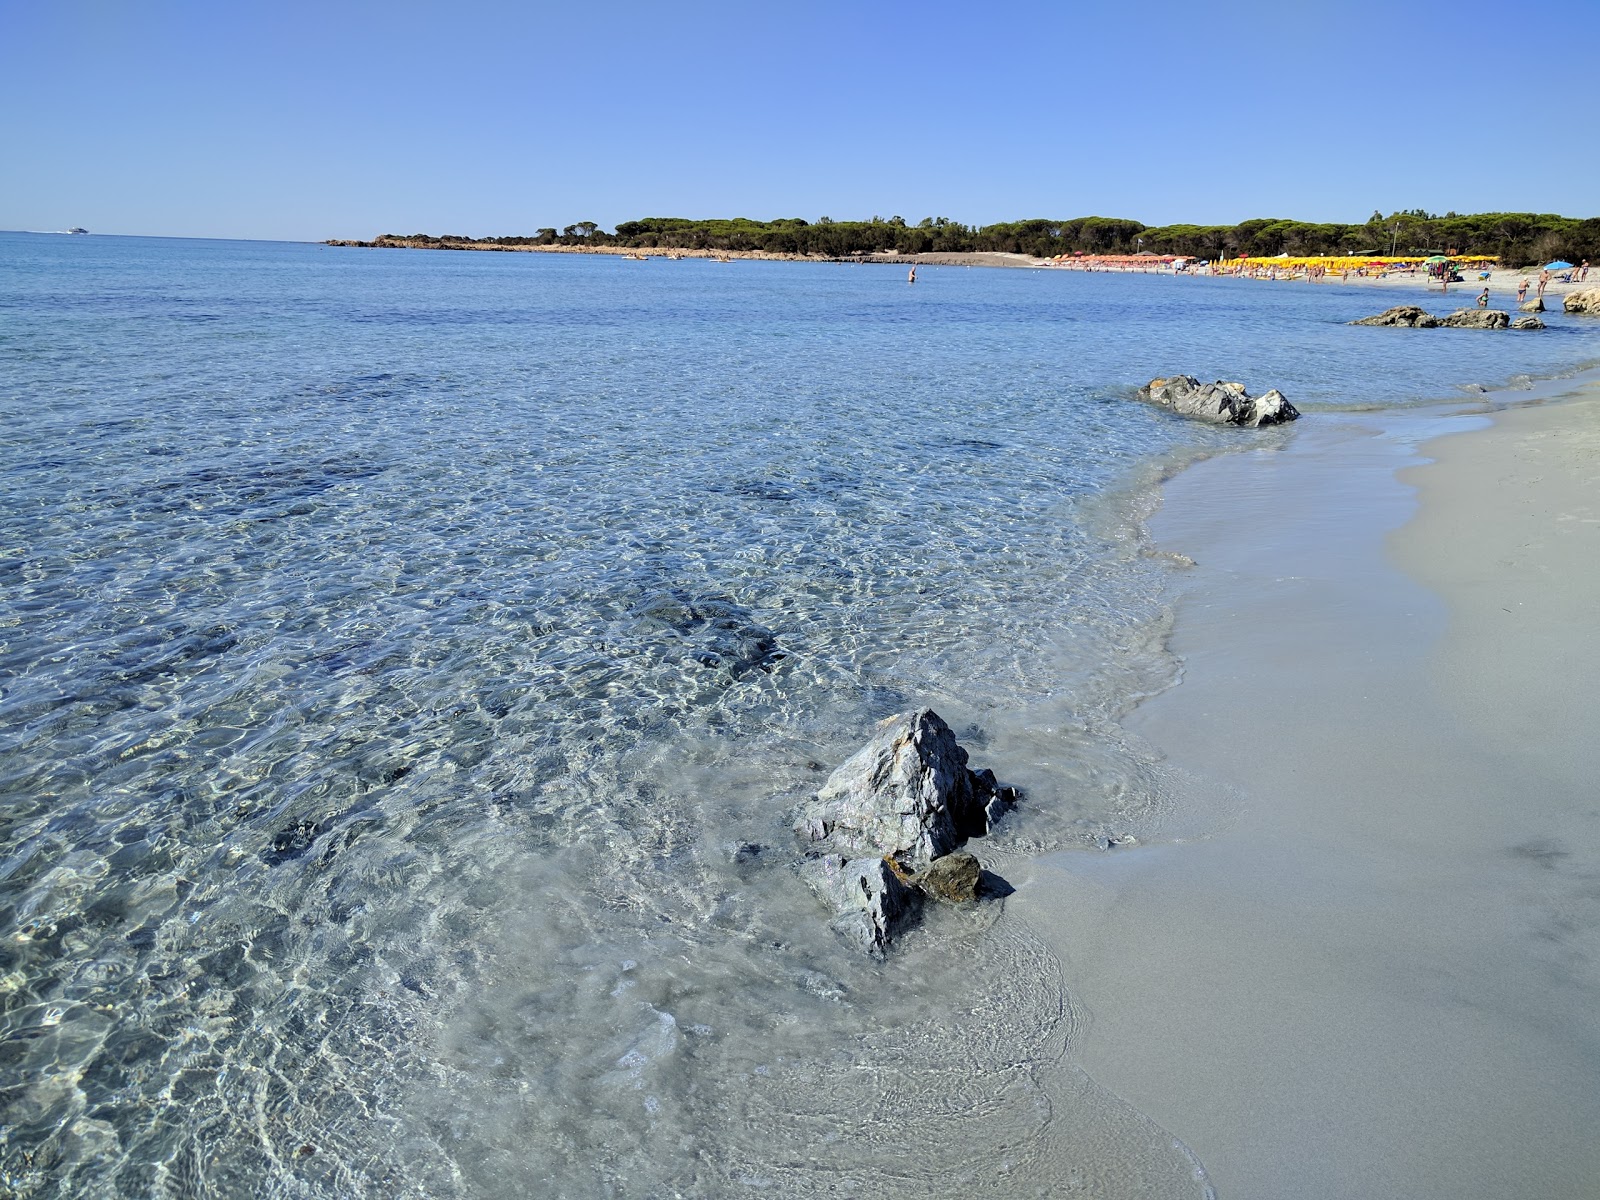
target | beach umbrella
x=1436, y=258
x=1558, y=265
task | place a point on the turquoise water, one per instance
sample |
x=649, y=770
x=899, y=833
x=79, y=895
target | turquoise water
x=408, y=660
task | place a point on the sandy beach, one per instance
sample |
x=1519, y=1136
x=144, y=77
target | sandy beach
x=1502, y=284
x=1377, y=973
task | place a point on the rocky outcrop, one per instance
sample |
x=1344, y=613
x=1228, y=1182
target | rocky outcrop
x=1585, y=302
x=1476, y=318
x=1534, y=305
x=1408, y=316
x=1527, y=323
x=884, y=821
x=907, y=794
x=1220, y=402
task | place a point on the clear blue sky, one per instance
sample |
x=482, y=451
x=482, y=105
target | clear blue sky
x=300, y=120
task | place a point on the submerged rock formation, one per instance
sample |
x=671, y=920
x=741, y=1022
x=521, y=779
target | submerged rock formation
x=1527, y=323
x=1586, y=301
x=1476, y=318
x=712, y=630
x=883, y=821
x=1220, y=402
x=1408, y=316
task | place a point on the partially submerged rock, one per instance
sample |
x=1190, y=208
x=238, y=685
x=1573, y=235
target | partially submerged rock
x=871, y=903
x=953, y=878
x=1477, y=318
x=907, y=793
x=1221, y=402
x=1534, y=305
x=1586, y=301
x=1527, y=323
x=1408, y=316
x=889, y=823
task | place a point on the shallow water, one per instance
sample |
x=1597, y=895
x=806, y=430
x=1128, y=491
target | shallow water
x=409, y=660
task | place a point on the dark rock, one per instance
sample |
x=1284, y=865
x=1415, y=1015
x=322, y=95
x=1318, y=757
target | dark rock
x=1408, y=316
x=994, y=797
x=953, y=878
x=1527, y=323
x=871, y=902
x=1476, y=318
x=1536, y=305
x=292, y=841
x=1220, y=402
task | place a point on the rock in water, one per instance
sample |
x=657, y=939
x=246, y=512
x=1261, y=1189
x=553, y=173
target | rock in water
x=1534, y=305
x=953, y=877
x=907, y=793
x=1585, y=302
x=1223, y=403
x=1527, y=323
x=1408, y=316
x=1477, y=318
x=904, y=802
x=872, y=905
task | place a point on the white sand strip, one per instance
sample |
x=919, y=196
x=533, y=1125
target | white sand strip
x=1382, y=977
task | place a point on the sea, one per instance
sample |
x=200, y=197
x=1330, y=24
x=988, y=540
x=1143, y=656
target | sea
x=410, y=662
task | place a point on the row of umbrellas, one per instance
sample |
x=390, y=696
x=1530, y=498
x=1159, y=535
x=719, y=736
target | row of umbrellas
x=1558, y=265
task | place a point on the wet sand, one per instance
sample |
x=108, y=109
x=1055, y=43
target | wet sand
x=1378, y=973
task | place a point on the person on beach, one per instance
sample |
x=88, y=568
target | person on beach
x=1544, y=281
x=1483, y=298
x=1522, y=291
x=1583, y=272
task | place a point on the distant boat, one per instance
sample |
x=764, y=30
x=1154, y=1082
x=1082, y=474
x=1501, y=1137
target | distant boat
x=77, y=229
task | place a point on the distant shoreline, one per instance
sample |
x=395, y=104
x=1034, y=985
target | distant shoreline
x=1503, y=279
x=973, y=258
x=1502, y=282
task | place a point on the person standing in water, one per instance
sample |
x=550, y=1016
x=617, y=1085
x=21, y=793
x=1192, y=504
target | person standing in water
x=1522, y=291
x=1483, y=298
x=912, y=278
